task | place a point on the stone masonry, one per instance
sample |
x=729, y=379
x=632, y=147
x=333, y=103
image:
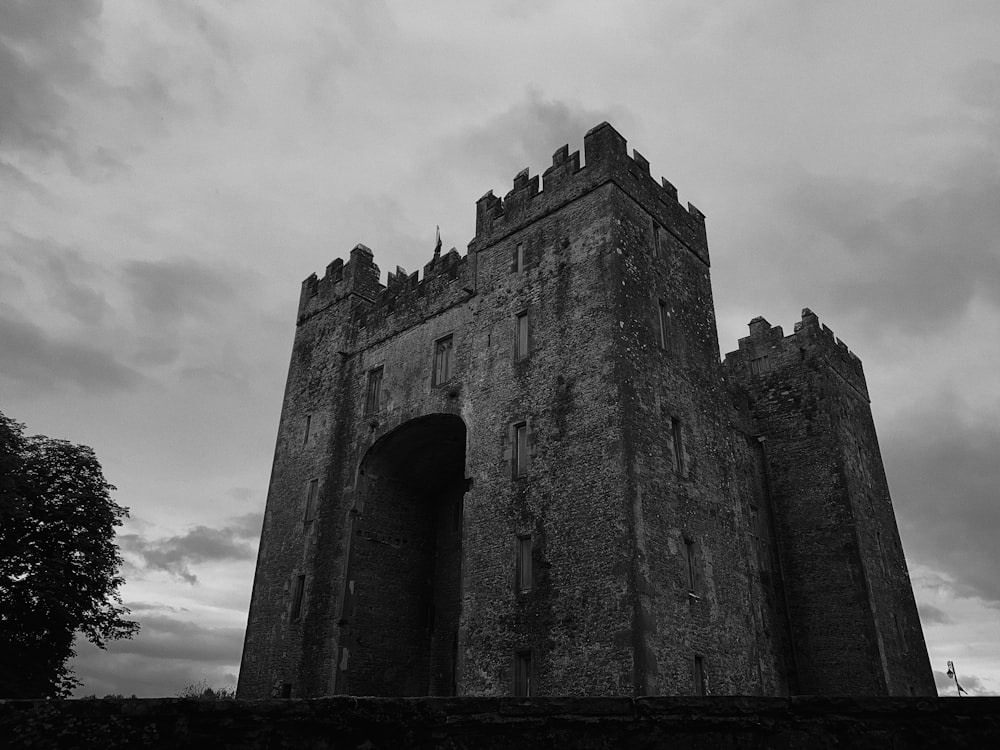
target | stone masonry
x=527, y=472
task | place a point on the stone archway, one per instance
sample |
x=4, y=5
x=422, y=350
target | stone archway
x=403, y=587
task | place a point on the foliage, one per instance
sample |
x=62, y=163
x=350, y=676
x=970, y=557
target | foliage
x=203, y=691
x=58, y=561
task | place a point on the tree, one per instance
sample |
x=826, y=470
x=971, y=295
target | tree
x=58, y=561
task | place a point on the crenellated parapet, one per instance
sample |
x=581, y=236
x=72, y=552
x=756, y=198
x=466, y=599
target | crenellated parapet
x=358, y=277
x=607, y=160
x=767, y=350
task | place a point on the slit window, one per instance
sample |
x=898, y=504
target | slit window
x=677, y=438
x=373, y=395
x=522, y=673
x=519, y=257
x=308, y=430
x=525, y=575
x=298, y=594
x=443, y=360
x=692, y=555
x=698, y=673
x=312, y=493
x=521, y=335
x=663, y=318
x=520, y=449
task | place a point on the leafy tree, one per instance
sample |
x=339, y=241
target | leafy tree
x=58, y=561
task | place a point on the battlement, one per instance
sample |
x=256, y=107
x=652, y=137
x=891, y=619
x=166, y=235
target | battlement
x=607, y=160
x=446, y=279
x=767, y=349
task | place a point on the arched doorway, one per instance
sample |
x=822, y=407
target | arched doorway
x=403, y=589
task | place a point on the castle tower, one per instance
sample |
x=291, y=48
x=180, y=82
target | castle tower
x=854, y=623
x=523, y=471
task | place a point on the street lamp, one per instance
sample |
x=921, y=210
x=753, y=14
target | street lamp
x=953, y=675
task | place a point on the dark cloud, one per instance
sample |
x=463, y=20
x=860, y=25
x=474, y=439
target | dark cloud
x=175, y=555
x=167, y=655
x=168, y=290
x=525, y=135
x=46, y=48
x=944, y=476
x=931, y=615
x=42, y=361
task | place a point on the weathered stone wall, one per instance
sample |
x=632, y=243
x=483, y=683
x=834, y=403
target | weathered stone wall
x=502, y=723
x=853, y=618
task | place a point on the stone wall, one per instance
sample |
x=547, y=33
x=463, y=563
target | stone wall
x=495, y=723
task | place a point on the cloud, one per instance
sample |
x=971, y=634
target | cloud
x=175, y=555
x=171, y=289
x=167, y=655
x=930, y=615
x=46, y=48
x=42, y=361
x=944, y=474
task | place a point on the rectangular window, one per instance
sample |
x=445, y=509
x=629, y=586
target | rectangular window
x=675, y=434
x=312, y=492
x=760, y=364
x=443, y=360
x=520, y=449
x=298, y=592
x=698, y=673
x=373, y=396
x=522, y=673
x=525, y=576
x=519, y=257
x=305, y=438
x=286, y=690
x=658, y=249
x=664, y=321
x=521, y=335
x=691, y=552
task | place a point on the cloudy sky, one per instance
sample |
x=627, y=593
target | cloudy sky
x=171, y=171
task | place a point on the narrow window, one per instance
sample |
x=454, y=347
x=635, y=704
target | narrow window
x=443, y=360
x=312, y=492
x=286, y=690
x=522, y=673
x=691, y=553
x=519, y=258
x=373, y=397
x=664, y=322
x=658, y=241
x=525, y=576
x=521, y=335
x=675, y=433
x=520, y=446
x=305, y=439
x=698, y=672
x=298, y=592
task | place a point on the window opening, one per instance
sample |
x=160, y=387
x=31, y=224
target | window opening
x=373, y=397
x=305, y=439
x=692, y=567
x=521, y=335
x=297, y=595
x=443, y=360
x=675, y=433
x=699, y=675
x=520, y=457
x=312, y=492
x=525, y=575
x=519, y=259
x=522, y=673
x=760, y=364
x=664, y=321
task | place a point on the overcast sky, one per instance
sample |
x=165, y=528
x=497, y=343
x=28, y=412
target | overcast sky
x=171, y=171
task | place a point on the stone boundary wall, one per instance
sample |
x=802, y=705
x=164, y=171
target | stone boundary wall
x=494, y=723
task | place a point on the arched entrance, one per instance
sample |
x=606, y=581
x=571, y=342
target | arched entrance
x=403, y=589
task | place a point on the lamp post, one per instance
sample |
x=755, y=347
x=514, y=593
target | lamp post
x=953, y=675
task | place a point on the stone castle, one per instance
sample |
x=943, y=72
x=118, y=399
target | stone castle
x=527, y=472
